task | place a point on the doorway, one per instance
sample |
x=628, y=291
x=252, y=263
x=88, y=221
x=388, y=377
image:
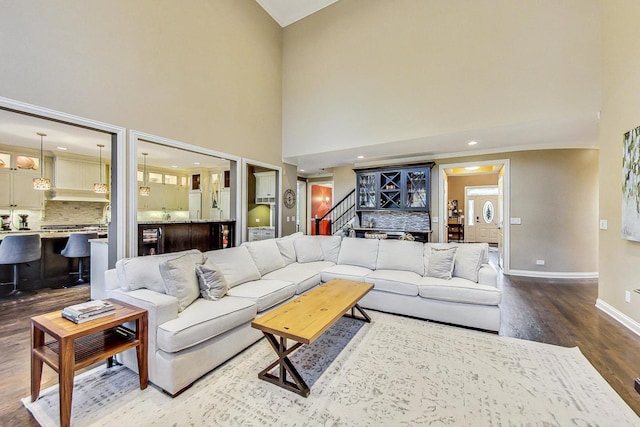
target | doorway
x=496, y=227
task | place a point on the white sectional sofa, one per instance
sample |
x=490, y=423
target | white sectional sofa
x=190, y=335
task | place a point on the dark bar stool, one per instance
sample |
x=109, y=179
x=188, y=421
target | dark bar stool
x=19, y=249
x=78, y=246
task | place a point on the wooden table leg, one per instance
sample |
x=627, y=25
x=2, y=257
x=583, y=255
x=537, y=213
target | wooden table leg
x=141, y=351
x=285, y=367
x=37, y=340
x=65, y=379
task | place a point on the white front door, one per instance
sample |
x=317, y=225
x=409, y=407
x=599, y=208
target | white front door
x=482, y=219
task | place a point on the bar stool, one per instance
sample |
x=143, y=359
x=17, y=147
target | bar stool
x=18, y=249
x=78, y=246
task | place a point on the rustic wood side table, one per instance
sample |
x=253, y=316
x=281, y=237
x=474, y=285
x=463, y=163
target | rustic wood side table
x=76, y=346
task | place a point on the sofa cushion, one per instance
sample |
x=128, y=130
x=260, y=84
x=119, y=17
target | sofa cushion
x=266, y=255
x=308, y=249
x=395, y=281
x=287, y=250
x=265, y=293
x=330, y=247
x=459, y=290
x=180, y=279
x=359, y=252
x=235, y=264
x=401, y=255
x=204, y=320
x=468, y=261
x=349, y=272
x=212, y=283
x=304, y=275
x=441, y=263
x=143, y=271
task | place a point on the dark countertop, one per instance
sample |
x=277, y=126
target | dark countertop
x=186, y=221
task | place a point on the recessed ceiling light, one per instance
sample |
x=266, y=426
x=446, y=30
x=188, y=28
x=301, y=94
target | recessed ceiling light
x=301, y=170
x=196, y=163
x=62, y=148
x=472, y=168
x=361, y=157
x=472, y=142
x=174, y=166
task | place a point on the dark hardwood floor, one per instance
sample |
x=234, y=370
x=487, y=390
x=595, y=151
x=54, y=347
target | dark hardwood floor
x=560, y=312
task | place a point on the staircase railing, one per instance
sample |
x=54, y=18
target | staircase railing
x=340, y=214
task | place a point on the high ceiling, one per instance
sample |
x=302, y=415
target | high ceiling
x=286, y=12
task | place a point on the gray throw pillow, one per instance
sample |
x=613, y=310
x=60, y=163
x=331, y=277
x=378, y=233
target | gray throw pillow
x=180, y=279
x=213, y=285
x=441, y=263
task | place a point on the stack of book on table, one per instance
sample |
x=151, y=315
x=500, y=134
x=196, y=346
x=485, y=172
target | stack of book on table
x=83, y=312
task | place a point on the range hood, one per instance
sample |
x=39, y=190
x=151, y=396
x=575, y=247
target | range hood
x=69, y=195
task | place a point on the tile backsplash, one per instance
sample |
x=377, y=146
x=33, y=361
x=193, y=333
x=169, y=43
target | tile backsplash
x=397, y=220
x=74, y=213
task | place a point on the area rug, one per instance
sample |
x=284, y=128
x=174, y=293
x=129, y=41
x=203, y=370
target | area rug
x=396, y=371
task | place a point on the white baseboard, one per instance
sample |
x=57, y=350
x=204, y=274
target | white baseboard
x=619, y=316
x=554, y=274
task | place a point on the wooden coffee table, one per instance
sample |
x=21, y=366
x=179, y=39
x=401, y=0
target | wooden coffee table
x=77, y=346
x=303, y=320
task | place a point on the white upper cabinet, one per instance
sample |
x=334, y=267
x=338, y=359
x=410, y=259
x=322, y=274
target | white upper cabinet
x=75, y=174
x=265, y=187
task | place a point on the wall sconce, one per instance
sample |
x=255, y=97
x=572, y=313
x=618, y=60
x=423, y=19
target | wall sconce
x=326, y=199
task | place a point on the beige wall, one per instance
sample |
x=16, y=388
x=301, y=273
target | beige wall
x=619, y=259
x=289, y=181
x=555, y=193
x=456, y=185
x=366, y=72
x=207, y=74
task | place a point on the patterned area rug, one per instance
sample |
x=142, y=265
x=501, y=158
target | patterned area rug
x=394, y=371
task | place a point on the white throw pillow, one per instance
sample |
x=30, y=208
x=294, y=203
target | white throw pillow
x=308, y=249
x=213, y=285
x=266, y=255
x=468, y=262
x=441, y=263
x=180, y=280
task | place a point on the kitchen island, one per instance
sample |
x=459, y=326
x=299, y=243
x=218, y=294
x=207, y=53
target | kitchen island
x=52, y=269
x=156, y=237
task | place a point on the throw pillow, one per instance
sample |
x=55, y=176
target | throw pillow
x=441, y=263
x=180, y=280
x=468, y=262
x=213, y=285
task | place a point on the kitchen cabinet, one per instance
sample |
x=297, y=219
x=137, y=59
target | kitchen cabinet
x=179, y=236
x=399, y=188
x=76, y=174
x=16, y=190
x=265, y=187
x=259, y=233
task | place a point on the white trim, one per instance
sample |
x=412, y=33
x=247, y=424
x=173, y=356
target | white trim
x=506, y=207
x=121, y=142
x=555, y=274
x=245, y=202
x=132, y=168
x=619, y=316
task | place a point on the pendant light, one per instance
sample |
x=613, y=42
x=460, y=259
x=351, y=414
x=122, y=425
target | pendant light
x=144, y=190
x=41, y=183
x=100, y=187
